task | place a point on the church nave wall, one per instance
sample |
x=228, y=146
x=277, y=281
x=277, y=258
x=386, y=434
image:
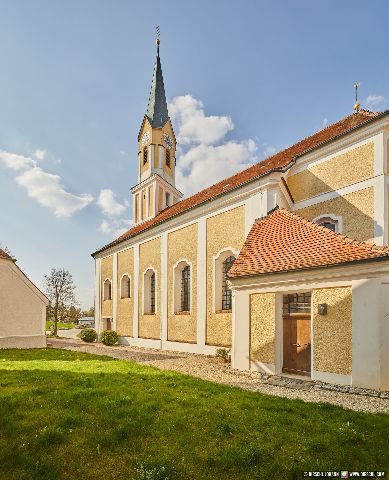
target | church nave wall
x=226, y=230
x=182, y=250
x=125, y=305
x=149, y=324
x=106, y=273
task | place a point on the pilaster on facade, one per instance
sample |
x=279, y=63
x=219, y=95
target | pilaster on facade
x=97, y=294
x=201, y=281
x=135, y=318
x=114, y=290
x=164, y=286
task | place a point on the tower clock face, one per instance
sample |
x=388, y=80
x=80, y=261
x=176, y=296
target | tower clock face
x=145, y=138
x=168, y=141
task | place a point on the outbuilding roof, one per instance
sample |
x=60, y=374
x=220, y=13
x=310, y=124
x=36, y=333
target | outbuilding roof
x=277, y=162
x=285, y=242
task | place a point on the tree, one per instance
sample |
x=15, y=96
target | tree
x=59, y=289
x=73, y=314
x=89, y=313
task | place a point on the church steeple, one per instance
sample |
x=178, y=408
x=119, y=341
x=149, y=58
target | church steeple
x=157, y=107
x=156, y=189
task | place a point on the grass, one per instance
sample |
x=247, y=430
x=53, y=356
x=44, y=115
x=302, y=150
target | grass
x=67, y=415
x=60, y=325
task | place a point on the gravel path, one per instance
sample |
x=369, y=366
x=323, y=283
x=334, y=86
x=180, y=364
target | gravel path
x=216, y=370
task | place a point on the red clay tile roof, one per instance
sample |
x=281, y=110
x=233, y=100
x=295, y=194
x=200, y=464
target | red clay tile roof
x=3, y=254
x=283, y=242
x=276, y=162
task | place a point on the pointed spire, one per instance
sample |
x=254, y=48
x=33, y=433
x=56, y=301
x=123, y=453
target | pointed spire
x=157, y=111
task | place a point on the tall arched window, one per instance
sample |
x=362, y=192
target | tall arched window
x=152, y=293
x=226, y=292
x=149, y=292
x=107, y=293
x=125, y=287
x=185, y=289
x=182, y=287
x=222, y=296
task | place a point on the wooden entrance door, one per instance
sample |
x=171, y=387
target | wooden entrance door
x=297, y=344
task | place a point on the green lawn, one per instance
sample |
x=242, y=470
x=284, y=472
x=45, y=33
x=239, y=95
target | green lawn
x=67, y=415
x=60, y=325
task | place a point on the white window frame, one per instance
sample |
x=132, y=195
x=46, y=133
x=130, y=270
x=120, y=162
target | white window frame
x=217, y=276
x=331, y=217
x=104, y=283
x=121, y=286
x=146, y=291
x=177, y=272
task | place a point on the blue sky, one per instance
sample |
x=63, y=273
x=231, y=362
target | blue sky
x=243, y=78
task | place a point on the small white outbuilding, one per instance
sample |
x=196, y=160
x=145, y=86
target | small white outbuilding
x=22, y=308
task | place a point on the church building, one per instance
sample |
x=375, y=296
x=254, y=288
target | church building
x=285, y=263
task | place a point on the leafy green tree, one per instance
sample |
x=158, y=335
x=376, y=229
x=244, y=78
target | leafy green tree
x=59, y=289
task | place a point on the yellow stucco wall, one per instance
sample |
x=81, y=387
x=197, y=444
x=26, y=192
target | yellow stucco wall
x=262, y=327
x=332, y=333
x=223, y=230
x=387, y=157
x=143, y=200
x=106, y=272
x=339, y=171
x=160, y=198
x=150, y=256
x=125, y=306
x=182, y=244
x=356, y=209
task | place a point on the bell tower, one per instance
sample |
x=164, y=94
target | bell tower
x=156, y=189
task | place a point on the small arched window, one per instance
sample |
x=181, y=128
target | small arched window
x=226, y=292
x=125, y=287
x=107, y=294
x=332, y=222
x=149, y=292
x=145, y=156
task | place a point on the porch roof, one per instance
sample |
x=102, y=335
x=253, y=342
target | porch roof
x=284, y=242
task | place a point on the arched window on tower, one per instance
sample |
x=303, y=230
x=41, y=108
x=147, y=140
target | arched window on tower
x=145, y=156
x=125, y=287
x=168, y=157
x=107, y=291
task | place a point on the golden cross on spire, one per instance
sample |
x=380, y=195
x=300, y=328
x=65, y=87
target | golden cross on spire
x=357, y=105
x=158, y=41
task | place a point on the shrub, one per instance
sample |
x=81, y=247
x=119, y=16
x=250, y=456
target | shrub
x=223, y=353
x=88, y=335
x=108, y=337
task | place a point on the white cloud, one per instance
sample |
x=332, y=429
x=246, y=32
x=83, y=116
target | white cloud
x=205, y=155
x=115, y=228
x=47, y=190
x=376, y=102
x=16, y=162
x=40, y=154
x=44, y=187
x=109, y=205
x=269, y=151
x=193, y=125
x=325, y=122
